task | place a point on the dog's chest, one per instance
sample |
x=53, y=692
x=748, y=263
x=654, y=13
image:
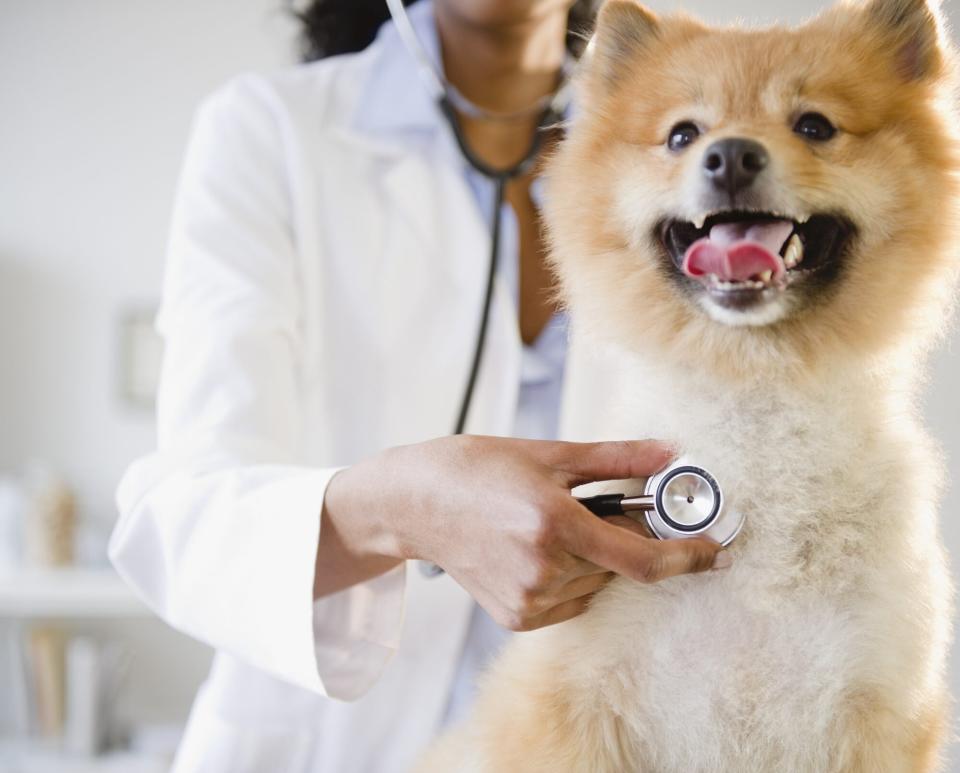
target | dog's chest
x=703, y=666
x=715, y=664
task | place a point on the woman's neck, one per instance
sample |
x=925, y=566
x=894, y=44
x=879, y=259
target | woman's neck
x=506, y=67
x=502, y=68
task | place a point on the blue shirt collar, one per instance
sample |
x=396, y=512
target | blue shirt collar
x=394, y=98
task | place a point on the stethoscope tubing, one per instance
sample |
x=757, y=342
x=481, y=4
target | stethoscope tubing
x=606, y=505
x=449, y=101
x=500, y=178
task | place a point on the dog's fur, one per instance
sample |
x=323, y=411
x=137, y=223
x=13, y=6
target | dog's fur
x=823, y=648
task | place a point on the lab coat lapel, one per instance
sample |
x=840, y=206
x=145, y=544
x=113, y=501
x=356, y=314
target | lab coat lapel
x=434, y=267
x=435, y=255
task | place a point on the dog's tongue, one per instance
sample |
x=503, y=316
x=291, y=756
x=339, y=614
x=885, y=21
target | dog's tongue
x=735, y=252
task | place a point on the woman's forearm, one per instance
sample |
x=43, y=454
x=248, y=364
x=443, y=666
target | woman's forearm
x=344, y=555
x=497, y=515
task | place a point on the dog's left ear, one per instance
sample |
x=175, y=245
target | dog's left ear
x=915, y=28
x=624, y=28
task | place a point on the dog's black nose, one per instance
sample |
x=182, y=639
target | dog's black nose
x=733, y=164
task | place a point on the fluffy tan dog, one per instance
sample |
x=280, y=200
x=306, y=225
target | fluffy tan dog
x=761, y=226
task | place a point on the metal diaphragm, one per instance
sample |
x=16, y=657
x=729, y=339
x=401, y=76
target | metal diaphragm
x=688, y=502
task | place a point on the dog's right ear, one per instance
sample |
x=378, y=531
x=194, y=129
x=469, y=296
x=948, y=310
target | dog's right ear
x=915, y=31
x=624, y=27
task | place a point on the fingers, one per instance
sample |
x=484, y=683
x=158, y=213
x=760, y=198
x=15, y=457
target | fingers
x=582, y=586
x=643, y=559
x=580, y=567
x=626, y=522
x=569, y=601
x=613, y=460
x=558, y=614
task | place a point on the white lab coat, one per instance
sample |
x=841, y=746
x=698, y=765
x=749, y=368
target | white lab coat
x=321, y=302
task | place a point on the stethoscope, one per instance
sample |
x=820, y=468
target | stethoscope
x=679, y=502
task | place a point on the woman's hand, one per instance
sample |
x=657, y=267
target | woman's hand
x=497, y=515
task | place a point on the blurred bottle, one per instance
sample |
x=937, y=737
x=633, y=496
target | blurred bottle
x=49, y=524
x=50, y=517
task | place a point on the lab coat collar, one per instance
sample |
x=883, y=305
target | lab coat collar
x=393, y=98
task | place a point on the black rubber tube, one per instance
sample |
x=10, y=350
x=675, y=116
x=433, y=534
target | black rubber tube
x=603, y=505
x=500, y=186
x=500, y=178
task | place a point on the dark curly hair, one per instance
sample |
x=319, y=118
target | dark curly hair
x=343, y=26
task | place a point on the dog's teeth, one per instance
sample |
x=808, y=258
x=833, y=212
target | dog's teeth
x=699, y=221
x=790, y=254
x=803, y=219
x=794, y=252
x=766, y=276
x=745, y=284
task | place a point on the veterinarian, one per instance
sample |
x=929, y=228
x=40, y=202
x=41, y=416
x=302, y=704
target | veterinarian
x=322, y=299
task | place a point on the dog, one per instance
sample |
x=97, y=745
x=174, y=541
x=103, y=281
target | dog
x=760, y=225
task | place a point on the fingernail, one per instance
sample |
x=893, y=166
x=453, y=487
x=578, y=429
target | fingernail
x=670, y=447
x=723, y=560
x=672, y=451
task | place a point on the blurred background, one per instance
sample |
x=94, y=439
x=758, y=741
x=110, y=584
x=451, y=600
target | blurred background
x=96, y=100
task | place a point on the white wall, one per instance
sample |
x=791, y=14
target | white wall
x=96, y=99
x=95, y=103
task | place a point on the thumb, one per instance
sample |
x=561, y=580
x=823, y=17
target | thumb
x=635, y=525
x=641, y=558
x=683, y=556
x=581, y=463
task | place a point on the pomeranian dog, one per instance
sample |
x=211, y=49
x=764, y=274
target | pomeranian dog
x=760, y=227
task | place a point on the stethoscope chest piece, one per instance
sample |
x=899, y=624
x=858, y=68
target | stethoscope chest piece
x=679, y=502
x=688, y=502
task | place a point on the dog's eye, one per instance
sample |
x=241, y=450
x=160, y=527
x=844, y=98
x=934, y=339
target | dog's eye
x=814, y=126
x=681, y=135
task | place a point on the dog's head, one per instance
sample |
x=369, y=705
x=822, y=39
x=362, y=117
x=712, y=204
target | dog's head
x=748, y=198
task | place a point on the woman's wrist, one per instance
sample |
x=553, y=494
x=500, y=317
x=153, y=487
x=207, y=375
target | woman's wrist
x=355, y=544
x=361, y=502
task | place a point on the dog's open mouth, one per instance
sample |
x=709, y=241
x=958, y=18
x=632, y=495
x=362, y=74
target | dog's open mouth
x=742, y=257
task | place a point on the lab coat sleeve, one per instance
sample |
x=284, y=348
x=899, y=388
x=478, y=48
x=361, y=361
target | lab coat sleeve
x=218, y=529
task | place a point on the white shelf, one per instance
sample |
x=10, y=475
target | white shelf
x=66, y=594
